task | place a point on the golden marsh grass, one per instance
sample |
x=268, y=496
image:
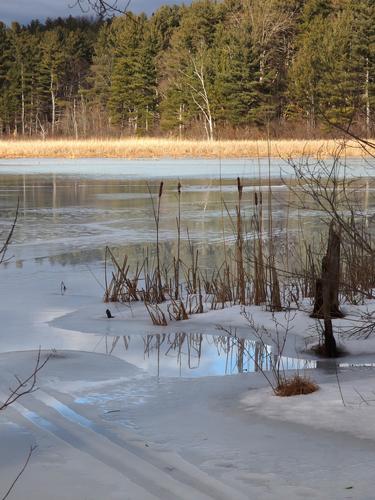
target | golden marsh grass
x=133, y=148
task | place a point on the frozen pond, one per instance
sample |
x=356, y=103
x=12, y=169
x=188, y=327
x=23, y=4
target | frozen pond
x=70, y=210
x=94, y=168
x=31, y=300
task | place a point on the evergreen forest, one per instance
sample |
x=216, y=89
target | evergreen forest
x=226, y=69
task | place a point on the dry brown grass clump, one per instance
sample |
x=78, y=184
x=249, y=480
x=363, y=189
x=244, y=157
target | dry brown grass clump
x=132, y=148
x=296, y=386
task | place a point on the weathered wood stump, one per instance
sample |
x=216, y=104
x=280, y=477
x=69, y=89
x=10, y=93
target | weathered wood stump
x=330, y=348
x=326, y=305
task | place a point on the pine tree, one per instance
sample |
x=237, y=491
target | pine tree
x=4, y=81
x=128, y=33
x=362, y=63
x=101, y=68
x=308, y=69
x=237, y=80
x=53, y=62
x=330, y=80
x=193, y=69
x=145, y=83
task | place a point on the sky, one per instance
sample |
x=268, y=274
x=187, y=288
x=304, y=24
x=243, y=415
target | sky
x=24, y=11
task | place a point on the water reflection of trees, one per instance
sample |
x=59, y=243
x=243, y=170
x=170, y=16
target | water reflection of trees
x=191, y=349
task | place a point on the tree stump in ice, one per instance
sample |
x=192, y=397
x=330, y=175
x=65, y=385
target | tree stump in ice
x=326, y=305
x=330, y=348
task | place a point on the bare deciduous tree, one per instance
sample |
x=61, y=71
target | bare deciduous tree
x=196, y=81
x=103, y=8
x=270, y=24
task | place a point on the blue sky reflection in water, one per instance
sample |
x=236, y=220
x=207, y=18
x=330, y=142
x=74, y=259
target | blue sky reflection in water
x=194, y=355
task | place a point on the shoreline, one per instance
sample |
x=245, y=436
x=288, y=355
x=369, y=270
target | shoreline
x=150, y=148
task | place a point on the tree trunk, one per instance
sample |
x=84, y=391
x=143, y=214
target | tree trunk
x=75, y=123
x=367, y=100
x=327, y=287
x=180, y=123
x=330, y=347
x=210, y=127
x=22, y=100
x=275, y=291
x=327, y=290
x=84, y=115
x=53, y=103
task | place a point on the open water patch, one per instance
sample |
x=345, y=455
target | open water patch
x=192, y=355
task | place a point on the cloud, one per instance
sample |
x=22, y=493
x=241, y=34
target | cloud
x=23, y=11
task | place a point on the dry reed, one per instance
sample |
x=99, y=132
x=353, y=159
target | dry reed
x=296, y=386
x=132, y=148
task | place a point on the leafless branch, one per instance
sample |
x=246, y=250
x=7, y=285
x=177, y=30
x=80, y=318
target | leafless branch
x=339, y=385
x=31, y=451
x=233, y=335
x=5, y=246
x=327, y=187
x=102, y=8
x=199, y=93
x=25, y=386
x=367, y=145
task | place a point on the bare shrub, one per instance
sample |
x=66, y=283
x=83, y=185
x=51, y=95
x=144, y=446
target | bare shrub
x=276, y=376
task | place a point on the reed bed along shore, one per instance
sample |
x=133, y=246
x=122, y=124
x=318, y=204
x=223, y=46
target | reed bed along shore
x=132, y=148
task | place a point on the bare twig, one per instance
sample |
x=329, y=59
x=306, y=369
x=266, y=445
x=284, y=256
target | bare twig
x=362, y=398
x=102, y=8
x=5, y=246
x=339, y=385
x=31, y=451
x=25, y=386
